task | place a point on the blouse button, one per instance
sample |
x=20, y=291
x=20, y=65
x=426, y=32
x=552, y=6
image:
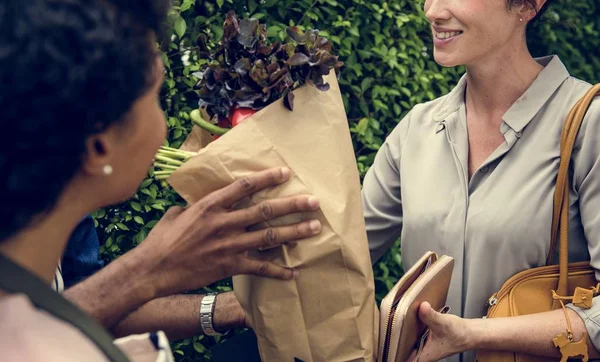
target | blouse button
x=484, y=169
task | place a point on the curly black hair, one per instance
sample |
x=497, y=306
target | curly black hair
x=68, y=69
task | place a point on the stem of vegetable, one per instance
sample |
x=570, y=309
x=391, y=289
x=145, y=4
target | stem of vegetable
x=168, y=160
x=178, y=151
x=165, y=166
x=197, y=119
x=174, y=154
x=163, y=173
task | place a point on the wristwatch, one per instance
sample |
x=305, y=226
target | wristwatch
x=207, y=309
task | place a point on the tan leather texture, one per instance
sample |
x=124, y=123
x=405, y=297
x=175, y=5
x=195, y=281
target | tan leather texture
x=400, y=328
x=530, y=291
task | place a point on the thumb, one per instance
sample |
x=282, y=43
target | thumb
x=427, y=315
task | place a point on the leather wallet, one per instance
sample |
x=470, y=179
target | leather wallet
x=400, y=331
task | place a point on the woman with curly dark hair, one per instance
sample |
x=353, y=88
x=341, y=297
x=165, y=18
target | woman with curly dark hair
x=81, y=123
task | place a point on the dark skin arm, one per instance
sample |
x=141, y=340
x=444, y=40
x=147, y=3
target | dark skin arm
x=190, y=249
x=178, y=316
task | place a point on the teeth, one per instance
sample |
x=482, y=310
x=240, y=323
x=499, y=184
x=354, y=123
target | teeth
x=446, y=35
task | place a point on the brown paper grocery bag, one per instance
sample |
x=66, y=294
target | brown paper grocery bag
x=328, y=313
x=196, y=140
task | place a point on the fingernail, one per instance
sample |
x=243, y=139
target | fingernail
x=315, y=226
x=285, y=172
x=295, y=273
x=313, y=202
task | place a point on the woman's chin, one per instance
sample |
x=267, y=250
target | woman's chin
x=446, y=60
x=121, y=195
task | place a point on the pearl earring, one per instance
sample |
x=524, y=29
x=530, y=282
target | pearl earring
x=108, y=170
x=521, y=19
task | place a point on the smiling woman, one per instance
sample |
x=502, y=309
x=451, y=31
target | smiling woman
x=472, y=175
x=480, y=27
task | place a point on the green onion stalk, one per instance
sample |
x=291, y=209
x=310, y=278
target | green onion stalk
x=212, y=128
x=168, y=160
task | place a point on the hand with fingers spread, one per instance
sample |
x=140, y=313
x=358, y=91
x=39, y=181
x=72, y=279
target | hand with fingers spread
x=208, y=241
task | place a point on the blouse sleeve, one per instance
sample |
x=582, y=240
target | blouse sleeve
x=586, y=179
x=382, y=203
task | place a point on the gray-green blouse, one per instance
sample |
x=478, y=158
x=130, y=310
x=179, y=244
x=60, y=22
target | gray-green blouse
x=498, y=223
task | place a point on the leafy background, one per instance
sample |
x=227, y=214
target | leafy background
x=386, y=46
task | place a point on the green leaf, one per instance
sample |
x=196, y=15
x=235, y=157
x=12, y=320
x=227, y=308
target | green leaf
x=136, y=206
x=122, y=226
x=158, y=207
x=252, y=6
x=99, y=214
x=364, y=108
x=139, y=220
x=366, y=83
x=139, y=237
x=187, y=4
x=199, y=347
x=362, y=126
x=354, y=31
x=220, y=3
x=180, y=26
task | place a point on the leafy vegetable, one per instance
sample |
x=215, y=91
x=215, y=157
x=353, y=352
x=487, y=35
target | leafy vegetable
x=246, y=71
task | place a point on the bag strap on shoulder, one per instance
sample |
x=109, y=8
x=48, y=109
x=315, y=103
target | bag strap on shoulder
x=560, y=218
x=15, y=279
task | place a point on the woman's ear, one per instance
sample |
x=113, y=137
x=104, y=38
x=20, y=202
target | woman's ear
x=530, y=8
x=99, y=150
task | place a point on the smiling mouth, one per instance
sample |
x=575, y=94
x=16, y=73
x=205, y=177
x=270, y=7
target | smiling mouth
x=447, y=34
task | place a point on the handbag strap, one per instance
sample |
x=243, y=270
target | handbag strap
x=15, y=279
x=560, y=217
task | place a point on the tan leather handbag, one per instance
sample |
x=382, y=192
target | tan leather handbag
x=400, y=331
x=542, y=289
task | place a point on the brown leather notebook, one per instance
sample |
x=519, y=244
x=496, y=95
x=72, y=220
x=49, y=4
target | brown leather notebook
x=400, y=331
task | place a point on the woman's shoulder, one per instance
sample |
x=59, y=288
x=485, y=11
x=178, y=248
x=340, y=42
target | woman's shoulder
x=575, y=86
x=586, y=152
x=29, y=334
x=575, y=89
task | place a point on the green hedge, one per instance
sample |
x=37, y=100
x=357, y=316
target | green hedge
x=386, y=46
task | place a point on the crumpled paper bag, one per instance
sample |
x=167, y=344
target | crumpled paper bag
x=328, y=313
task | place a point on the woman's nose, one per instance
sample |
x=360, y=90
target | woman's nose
x=437, y=10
